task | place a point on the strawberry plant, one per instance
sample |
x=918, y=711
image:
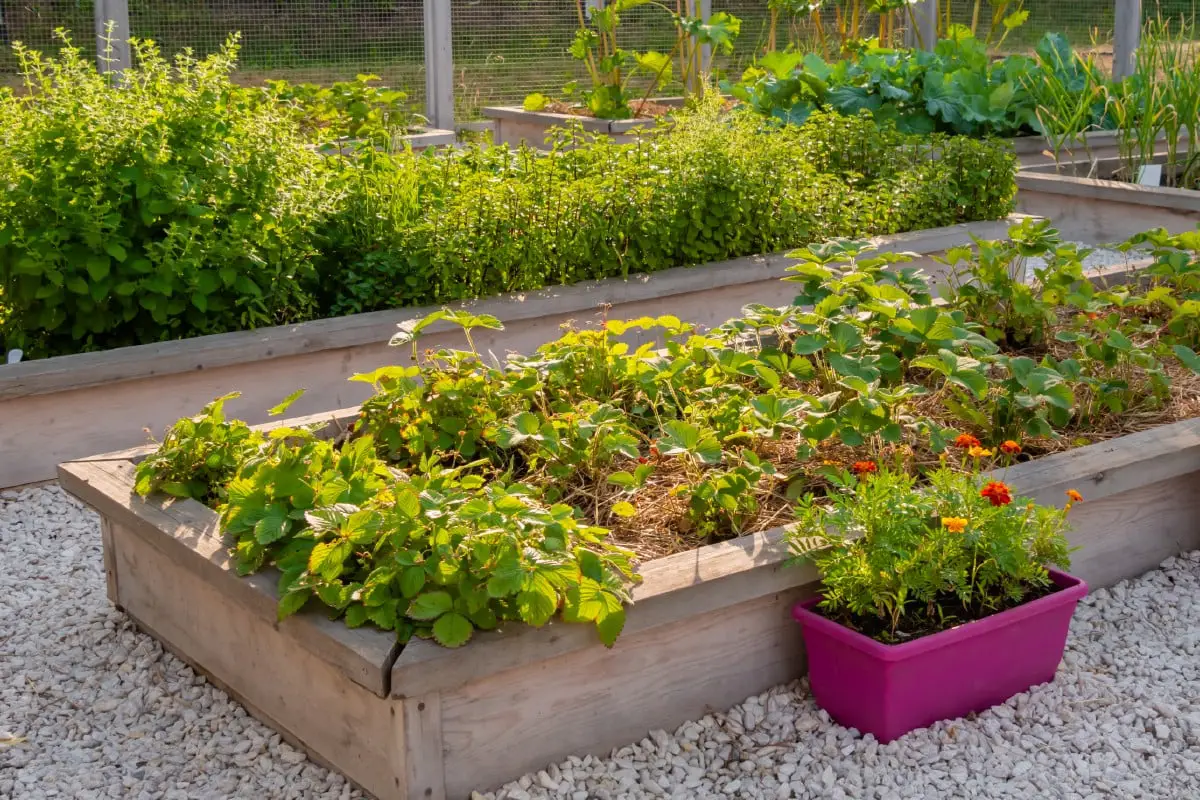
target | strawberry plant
x=471, y=492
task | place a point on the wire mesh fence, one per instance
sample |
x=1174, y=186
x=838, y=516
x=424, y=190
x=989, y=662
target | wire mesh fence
x=503, y=50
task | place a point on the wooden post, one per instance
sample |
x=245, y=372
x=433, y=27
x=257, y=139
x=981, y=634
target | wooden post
x=920, y=30
x=439, y=65
x=112, y=48
x=704, y=8
x=1127, y=29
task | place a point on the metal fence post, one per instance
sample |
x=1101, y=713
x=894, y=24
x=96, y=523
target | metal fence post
x=112, y=49
x=1127, y=30
x=921, y=29
x=439, y=65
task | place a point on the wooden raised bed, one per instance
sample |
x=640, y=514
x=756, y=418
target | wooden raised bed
x=1088, y=206
x=58, y=409
x=513, y=125
x=708, y=628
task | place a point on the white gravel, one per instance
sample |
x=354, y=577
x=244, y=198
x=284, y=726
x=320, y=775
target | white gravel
x=107, y=713
x=1099, y=258
x=104, y=710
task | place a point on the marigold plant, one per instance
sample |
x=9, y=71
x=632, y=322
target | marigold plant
x=901, y=559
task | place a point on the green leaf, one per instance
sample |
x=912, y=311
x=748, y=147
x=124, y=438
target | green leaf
x=624, y=509
x=98, y=267
x=430, y=605
x=292, y=602
x=537, y=602
x=1188, y=357
x=408, y=502
x=452, y=630
x=286, y=403
x=273, y=526
x=356, y=616
x=412, y=581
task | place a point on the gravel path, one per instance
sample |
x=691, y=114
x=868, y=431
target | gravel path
x=107, y=713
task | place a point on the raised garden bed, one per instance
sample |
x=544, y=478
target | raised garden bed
x=513, y=125
x=1087, y=204
x=57, y=409
x=709, y=627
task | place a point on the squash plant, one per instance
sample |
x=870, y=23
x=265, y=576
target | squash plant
x=956, y=88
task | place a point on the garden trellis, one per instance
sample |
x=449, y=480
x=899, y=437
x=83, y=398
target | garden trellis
x=460, y=55
x=457, y=56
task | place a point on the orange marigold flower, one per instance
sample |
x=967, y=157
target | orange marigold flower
x=1074, y=496
x=1010, y=447
x=979, y=452
x=997, y=493
x=966, y=441
x=864, y=467
x=954, y=524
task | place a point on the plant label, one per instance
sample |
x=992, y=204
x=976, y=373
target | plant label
x=1150, y=175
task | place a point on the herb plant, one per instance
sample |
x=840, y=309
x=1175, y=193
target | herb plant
x=357, y=110
x=173, y=204
x=900, y=560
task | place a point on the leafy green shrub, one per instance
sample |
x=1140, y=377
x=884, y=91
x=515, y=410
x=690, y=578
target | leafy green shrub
x=173, y=204
x=416, y=230
x=898, y=560
x=955, y=89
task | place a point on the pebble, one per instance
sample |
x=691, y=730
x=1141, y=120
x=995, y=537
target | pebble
x=103, y=710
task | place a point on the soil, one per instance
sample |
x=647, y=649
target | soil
x=954, y=614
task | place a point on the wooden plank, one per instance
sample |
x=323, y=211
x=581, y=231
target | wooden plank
x=188, y=534
x=593, y=700
x=281, y=682
x=674, y=588
x=422, y=767
x=1114, y=191
x=1111, y=467
x=1126, y=534
x=62, y=373
x=110, y=567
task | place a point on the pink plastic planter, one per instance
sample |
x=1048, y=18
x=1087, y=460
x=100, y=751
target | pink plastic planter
x=889, y=690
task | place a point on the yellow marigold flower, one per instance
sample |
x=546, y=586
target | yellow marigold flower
x=954, y=524
x=1074, y=496
x=979, y=452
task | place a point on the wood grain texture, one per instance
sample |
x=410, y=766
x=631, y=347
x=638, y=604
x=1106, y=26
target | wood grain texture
x=187, y=533
x=1111, y=467
x=1128, y=533
x=421, y=765
x=299, y=694
x=593, y=700
x=110, y=566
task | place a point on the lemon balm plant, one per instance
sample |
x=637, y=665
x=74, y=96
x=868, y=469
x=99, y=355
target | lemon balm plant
x=900, y=559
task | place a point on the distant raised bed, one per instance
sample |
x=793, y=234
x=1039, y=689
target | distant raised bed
x=66, y=407
x=1089, y=205
x=513, y=125
x=708, y=628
